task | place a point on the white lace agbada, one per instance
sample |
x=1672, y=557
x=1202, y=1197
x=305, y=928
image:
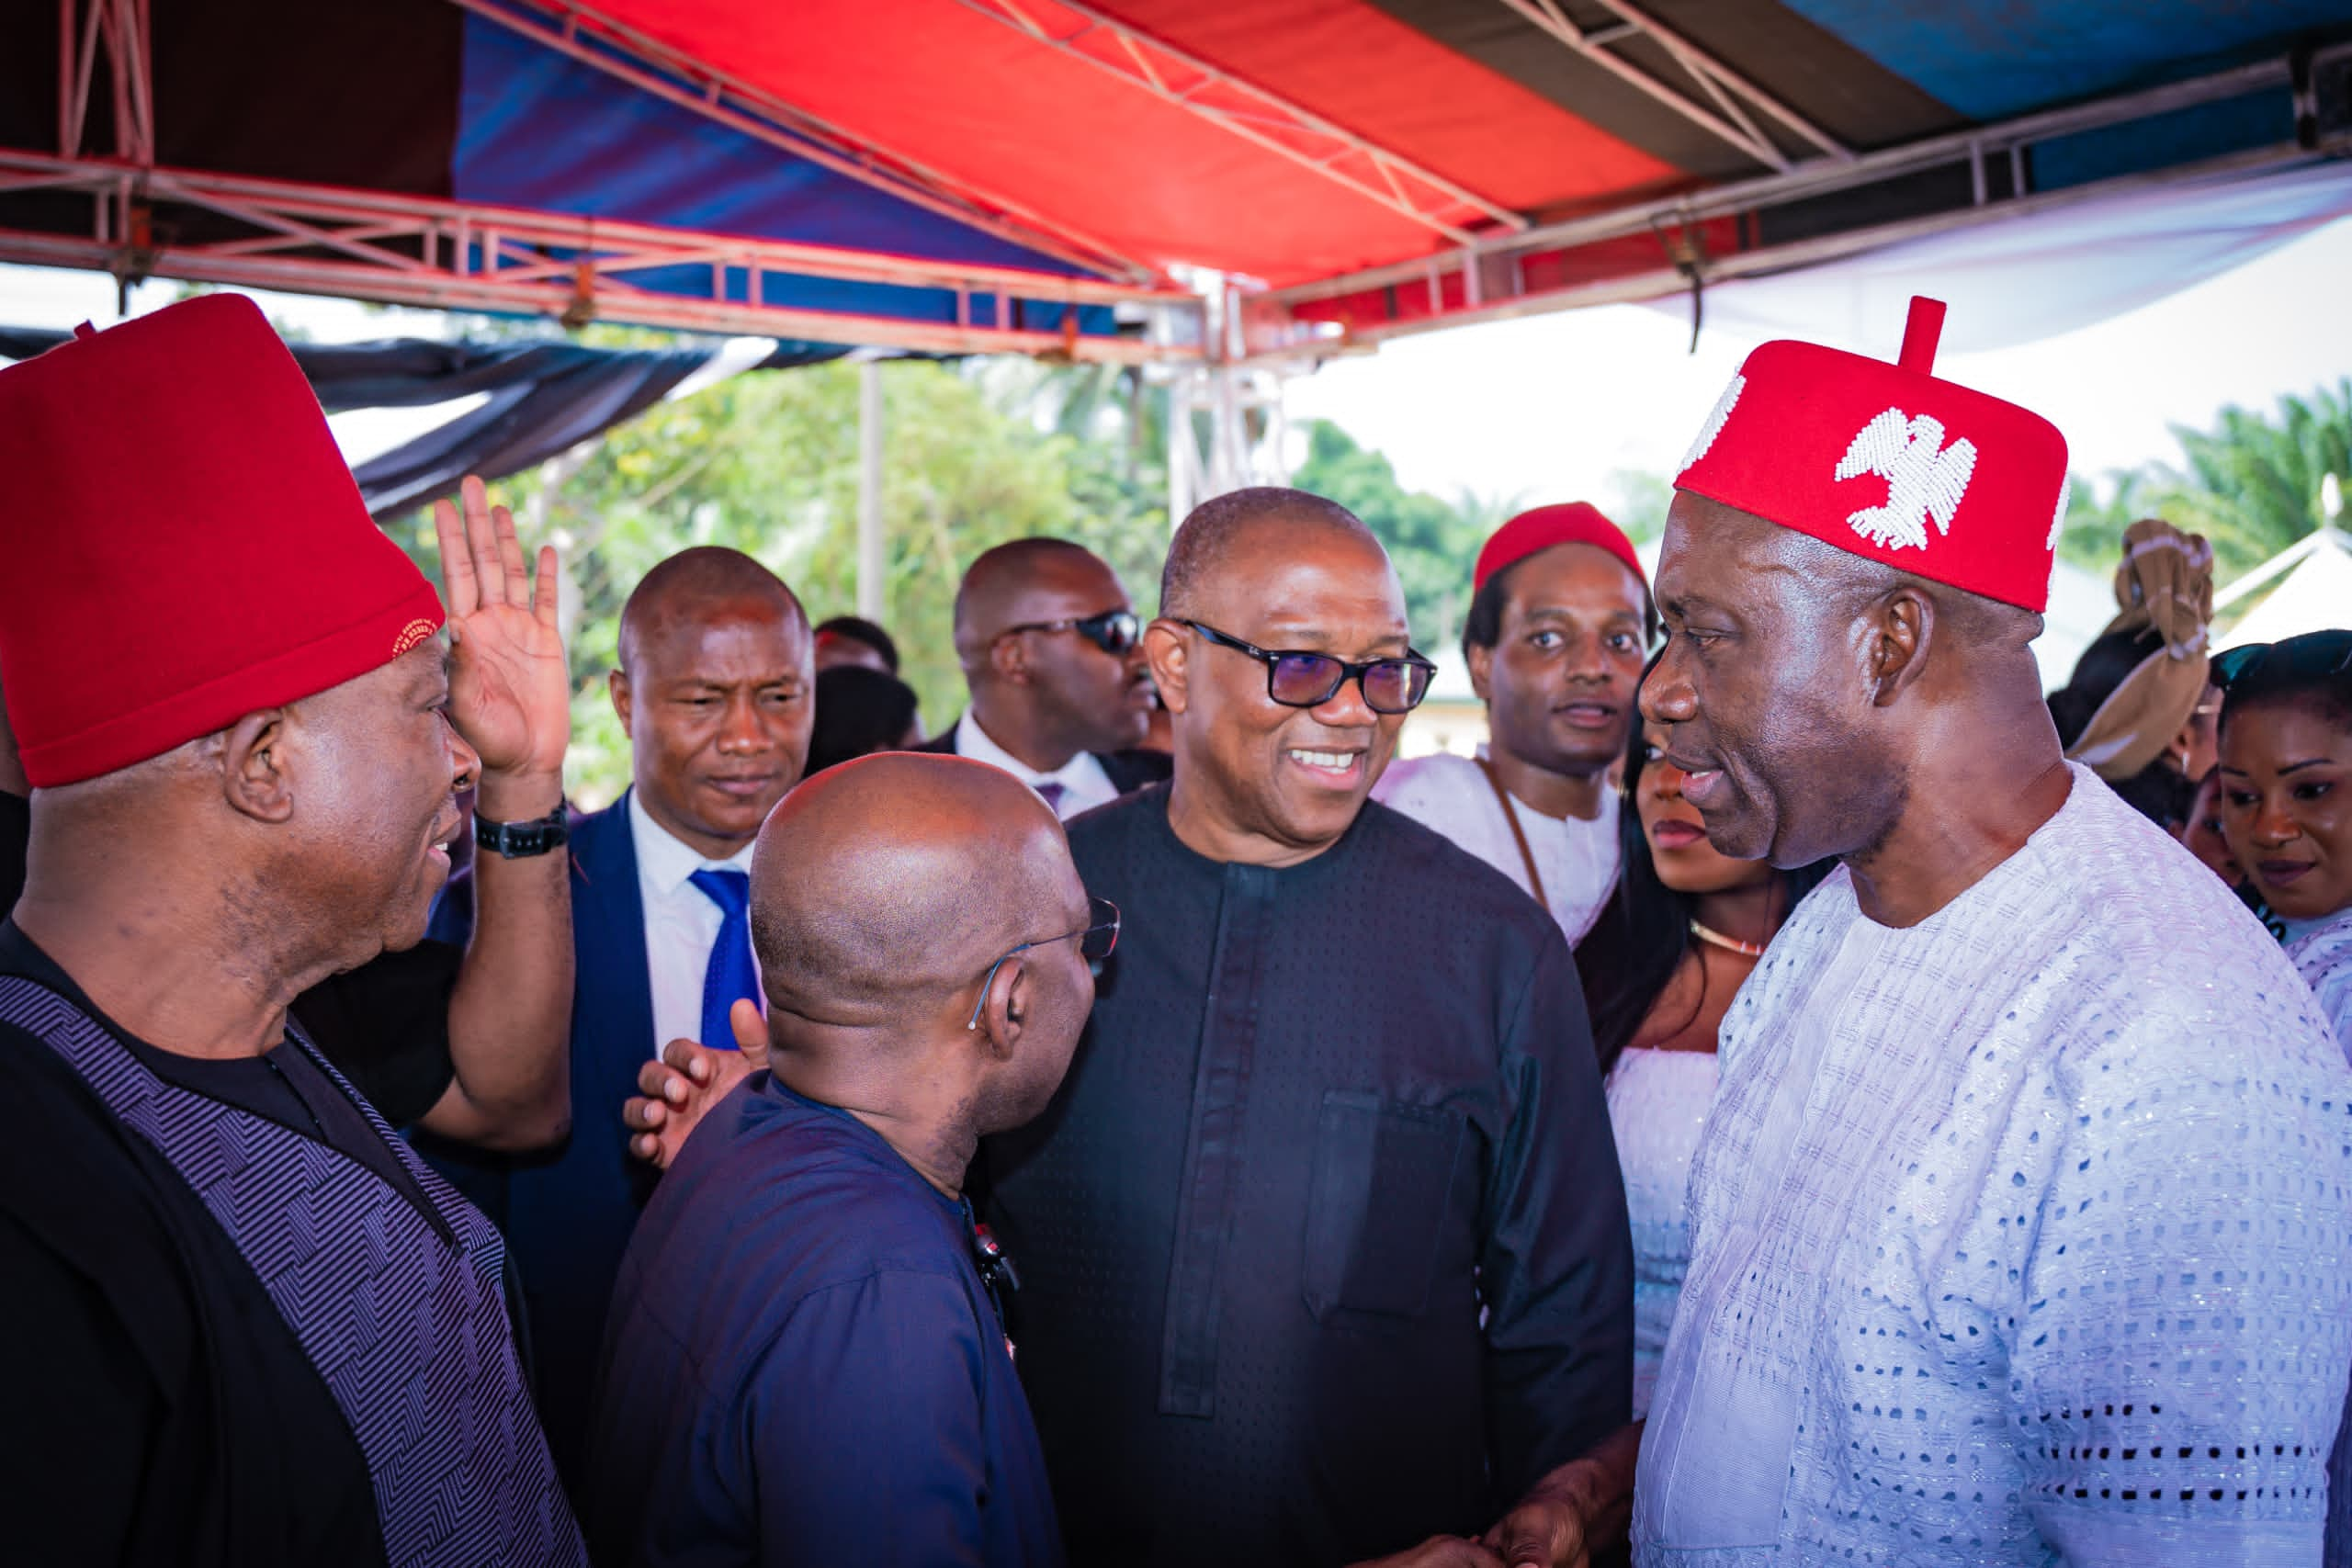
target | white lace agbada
x=2018, y=1236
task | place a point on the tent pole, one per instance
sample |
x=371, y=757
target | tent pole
x=870, y=582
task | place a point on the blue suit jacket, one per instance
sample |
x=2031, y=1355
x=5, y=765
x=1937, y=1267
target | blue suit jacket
x=568, y=1212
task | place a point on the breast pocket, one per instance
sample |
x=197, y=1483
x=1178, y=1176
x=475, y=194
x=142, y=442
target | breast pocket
x=1383, y=1184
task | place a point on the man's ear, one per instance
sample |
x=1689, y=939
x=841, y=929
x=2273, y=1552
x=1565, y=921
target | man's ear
x=1902, y=626
x=1005, y=1011
x=624, y=700
x=1482, y=668
x=1165, y=650
x=257, y=778
x=1008, y=657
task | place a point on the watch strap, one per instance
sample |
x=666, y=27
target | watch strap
x=520, y=840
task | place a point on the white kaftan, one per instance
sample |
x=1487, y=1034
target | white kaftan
x=1657, y=1108
x=1576, y=859
x=2322, y=954
x=2018, y=1236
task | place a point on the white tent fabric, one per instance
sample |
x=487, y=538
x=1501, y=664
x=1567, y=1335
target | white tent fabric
x=2315, y=594
x=2039, y=276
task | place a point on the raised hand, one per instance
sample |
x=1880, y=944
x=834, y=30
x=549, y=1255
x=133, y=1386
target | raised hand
x=509, y=689
x=687, y=1081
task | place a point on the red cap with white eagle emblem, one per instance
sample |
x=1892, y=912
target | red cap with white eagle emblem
x=1928, y=476
x=186, y=545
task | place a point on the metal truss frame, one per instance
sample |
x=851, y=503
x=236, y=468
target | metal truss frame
x=1731, y=92
x=455, y=255
x=646, y=63
x=1490, y=271
x=1265, y=118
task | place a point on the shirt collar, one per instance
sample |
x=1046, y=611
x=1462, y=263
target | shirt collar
x=663, y=859
x=973, y=741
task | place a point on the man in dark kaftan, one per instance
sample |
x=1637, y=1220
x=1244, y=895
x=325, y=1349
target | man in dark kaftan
x=1323, y=1245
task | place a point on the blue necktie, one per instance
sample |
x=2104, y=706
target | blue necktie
x=1051, y=791
x=732, y=976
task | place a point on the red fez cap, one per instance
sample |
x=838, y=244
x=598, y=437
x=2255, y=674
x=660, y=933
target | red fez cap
x=1572, y=523
x=185, y=544
x=1887, y=461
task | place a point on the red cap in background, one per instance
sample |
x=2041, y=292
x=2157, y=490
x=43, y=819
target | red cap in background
x=1570, y=523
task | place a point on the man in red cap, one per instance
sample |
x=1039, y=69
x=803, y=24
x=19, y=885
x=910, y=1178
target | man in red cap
x=1559, y=622
x=461, y=1041
x=264, y=1331
x=2019, y=1226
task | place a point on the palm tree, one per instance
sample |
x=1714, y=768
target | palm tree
x=2251, y=484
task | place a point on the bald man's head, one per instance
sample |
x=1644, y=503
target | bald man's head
x=1211, y=537
x=688, y=585
x=716, y=689
x=992, y=597
x=1048, y=641
x=883, y=890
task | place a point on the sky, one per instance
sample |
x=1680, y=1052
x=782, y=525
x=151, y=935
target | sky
x=1546, y=408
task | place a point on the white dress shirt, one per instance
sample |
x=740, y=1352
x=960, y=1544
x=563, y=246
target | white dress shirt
x=1084, y=783
x=2017, y=1234
x=681, y=924
x=1577, y=859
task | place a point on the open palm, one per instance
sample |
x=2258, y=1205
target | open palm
x=509, y=689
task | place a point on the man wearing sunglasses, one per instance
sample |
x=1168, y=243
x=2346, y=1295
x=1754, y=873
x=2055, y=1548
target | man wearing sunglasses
x=1052, y=653
x=807, y=1361
x=1324, y=1246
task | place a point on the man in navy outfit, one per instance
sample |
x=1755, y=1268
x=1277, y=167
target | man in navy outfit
x=714, y=690
x=805, y=1362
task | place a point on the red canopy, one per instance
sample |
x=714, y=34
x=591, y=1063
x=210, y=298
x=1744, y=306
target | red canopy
x=1038, y=174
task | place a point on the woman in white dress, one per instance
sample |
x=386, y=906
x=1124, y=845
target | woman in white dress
x=2286, y=779
x=1660, y=965
x=2286, y=799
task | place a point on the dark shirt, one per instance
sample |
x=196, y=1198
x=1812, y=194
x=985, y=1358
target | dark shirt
x=165, y=1414
x=385, y=1025
x=1323, y=1119
x=803, y=1365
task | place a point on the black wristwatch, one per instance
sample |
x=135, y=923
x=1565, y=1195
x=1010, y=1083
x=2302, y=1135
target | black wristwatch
x=520, y=840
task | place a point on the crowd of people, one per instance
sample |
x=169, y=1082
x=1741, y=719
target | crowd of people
x=1798, y=1094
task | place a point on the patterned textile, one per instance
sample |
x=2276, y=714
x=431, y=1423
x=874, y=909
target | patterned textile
x=2323, y=957
x=2322, y=954
x=2016, y=1238
x=401, y=1317
x=1657, y=1107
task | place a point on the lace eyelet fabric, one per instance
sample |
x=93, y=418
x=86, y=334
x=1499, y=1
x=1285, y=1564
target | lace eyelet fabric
x=2022, y=1234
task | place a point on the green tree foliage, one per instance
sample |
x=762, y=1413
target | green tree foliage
x=1432, y=543
x=767, y=463
x=2251, y=484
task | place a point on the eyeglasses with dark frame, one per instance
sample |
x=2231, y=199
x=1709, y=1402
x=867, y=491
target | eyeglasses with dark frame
x=1095, y=943
x=1112, y=631
x=1297, y=678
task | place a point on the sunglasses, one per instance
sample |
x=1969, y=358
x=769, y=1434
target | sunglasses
x=2313, y=656
x=1297, y=679
x=1095, y=943
x=1112, y=631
